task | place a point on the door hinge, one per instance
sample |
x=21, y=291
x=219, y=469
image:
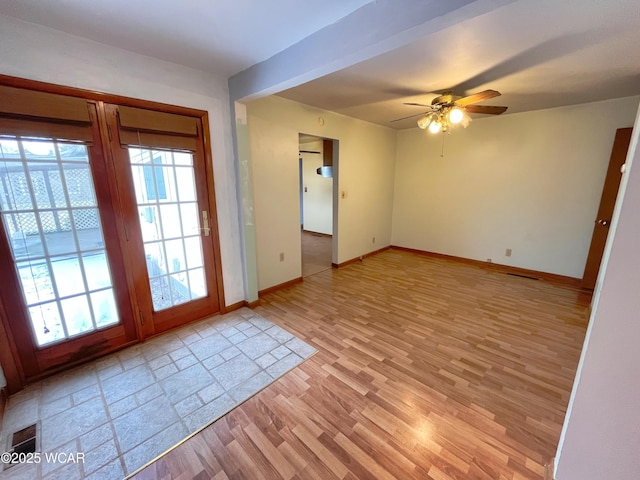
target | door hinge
x=141, y=317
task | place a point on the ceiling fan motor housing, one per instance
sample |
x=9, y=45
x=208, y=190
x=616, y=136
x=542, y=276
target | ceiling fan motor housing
x=446, y=97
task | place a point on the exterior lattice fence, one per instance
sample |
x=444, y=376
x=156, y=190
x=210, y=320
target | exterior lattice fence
x=56, y=211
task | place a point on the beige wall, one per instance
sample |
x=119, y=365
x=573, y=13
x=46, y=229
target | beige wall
x=528, y=181
x=365, y=172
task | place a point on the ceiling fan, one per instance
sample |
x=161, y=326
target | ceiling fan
x=448, y=109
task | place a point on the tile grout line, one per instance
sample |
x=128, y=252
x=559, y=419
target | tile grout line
x=75, y=388
x=111, y=426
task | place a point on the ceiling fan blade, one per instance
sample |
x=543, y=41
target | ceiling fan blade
x=486, y=109
x=410, y=116
x=477, y=97
x=413, y=104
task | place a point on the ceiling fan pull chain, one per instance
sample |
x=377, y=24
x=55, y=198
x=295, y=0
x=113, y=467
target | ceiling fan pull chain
x=442, y=149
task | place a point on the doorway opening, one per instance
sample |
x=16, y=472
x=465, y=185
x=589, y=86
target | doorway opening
x=318, y=178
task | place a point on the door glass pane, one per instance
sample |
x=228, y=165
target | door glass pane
x=190, y=220
x=77, y=314
x=47, y=323
x=165, y=191
x=196, y=278
x=104, y=307
x=194, y=256
x=35, y=278
x=170, y=221
x=50, y=215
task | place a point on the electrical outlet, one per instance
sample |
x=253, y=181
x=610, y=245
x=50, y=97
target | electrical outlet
x=373, y=240
x=488, y=260
x=343, y=194
x=282, y=256
x=508, y=253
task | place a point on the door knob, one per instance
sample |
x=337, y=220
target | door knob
x=604, y=223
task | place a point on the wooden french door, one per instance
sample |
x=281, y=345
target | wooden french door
x=108, y=229
x=165, y=200
x=63, y=280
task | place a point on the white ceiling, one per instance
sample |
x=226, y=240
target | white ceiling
x=538, y=53
x=218, y=36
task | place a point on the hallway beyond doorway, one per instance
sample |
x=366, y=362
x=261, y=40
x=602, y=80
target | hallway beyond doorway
x=316, y=253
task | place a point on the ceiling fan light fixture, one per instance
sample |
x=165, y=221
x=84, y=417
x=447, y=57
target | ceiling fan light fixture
x=466, y=120
x=456, y=115
x=424, y=122
x=435, y=127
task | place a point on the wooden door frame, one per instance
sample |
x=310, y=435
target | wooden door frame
x=9, y=361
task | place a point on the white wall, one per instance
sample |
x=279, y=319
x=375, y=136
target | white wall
x=317, y=197
x=31, y=51
x=365, y=172
x=601, y=434
x=528, y=181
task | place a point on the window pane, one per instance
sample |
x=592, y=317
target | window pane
x=194, y=252
x=40, y=150
x=68, y=275
x=71, y=152
x=149, y=223
x=57, y=188
x=160, y=293
x=59, y=236
x=190, y=220
x=16, y=188
x=104, y=308
x=197, y=281
x=24, y=235
x=182, y=158
x=175, y=255
x=97, y=268
x=179, y=288
x=77, y=316
x=79, y=185
x=36, y=281
x=156, y=265
x=143, y=184
x=164, y=186
x=170, y=221
x=46, y=323
x=9, y=148
x=87, y=228
x=186, y=184
x=39, y=185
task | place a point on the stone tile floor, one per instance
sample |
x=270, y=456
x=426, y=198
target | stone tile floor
x=123, y=410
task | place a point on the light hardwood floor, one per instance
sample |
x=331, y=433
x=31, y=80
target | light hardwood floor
x=427, y=369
